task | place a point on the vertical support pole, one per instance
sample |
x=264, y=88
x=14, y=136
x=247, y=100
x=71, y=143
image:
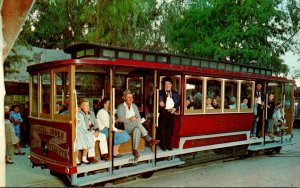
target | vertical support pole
x=263, y=118
x=73, y=111
x=155, y=111
x=111, y=115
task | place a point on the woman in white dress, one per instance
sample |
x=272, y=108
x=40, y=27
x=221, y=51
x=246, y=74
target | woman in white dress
x=83, y=141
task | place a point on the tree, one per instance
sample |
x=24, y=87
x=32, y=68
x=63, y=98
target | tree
x=236, y=31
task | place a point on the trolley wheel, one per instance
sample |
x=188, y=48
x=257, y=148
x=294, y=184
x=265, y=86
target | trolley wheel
x=278, y=149
x=147, y=174
x=269, y=152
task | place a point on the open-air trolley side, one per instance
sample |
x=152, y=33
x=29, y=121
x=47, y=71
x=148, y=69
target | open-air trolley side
x=97, y=71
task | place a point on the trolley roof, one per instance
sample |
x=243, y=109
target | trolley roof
x=98, y=54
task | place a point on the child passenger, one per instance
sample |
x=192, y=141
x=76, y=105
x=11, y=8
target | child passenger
x=83, y=141
x=244, y=104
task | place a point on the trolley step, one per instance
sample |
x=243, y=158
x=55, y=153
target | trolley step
x=123, y=172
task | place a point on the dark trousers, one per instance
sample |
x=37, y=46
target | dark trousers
x=259, y=123
x=165, y=128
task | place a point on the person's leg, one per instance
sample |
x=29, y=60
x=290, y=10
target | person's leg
x=103, y=144
x=169, y=131
x=91, y=150
x=136, y=134
x=120, y=138
x=84, y=156
x=162, y=130
x=105, y=131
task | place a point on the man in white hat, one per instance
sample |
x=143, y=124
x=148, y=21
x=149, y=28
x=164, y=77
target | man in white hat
x=129, y=114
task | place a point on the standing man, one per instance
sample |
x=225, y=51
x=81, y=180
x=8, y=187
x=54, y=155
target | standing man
x=259, y=94
x=92, y=126
x=128, y=113
x=270, y=112
x=168, y=104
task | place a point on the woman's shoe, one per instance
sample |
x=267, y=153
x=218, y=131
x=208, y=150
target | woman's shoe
x=118, y=156
x=16, y=153
x=9, y=162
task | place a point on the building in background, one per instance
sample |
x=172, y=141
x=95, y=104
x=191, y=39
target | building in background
x=17, y=84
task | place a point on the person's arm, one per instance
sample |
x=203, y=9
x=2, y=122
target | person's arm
x=94, y=122
x=176, y=100
x=121, y=112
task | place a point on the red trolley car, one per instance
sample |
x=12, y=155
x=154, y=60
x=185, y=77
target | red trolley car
x=95, y=71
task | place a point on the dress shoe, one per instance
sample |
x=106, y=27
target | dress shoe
x=104, y=157
x=153, y=141
x=162, y=147
x=169, y=148
x=136, y=154
x=117, y=156
x=92, y=160
x=16, y=153
x=9, y=162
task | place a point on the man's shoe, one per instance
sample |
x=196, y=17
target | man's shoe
x=104, y=157
x=162, y=147
x=136, y=154
x=92, y=160
x=169, y=148
x=153, y=141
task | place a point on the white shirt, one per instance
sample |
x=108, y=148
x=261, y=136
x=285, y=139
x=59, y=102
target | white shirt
x=129, y=112
x=103, y=120
x=169, y=102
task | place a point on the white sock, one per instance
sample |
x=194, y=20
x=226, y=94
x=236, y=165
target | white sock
x=77, y=160
x=84, y=159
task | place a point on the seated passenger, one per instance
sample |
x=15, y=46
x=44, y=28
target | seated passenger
x=279, y=122
x=198, y=100
x=244, y=104
x=83, y=141
x=103, y=121
x=128, y=113
x=215, y=104
x=190, y=102
x=232, y=102
x=208, y=103
x=92, y=126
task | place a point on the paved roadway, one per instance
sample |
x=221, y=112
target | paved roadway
x=276, y=170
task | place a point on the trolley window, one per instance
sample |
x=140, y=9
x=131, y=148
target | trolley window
x=231, y=96
x=213, y=96
x=62, y=93
x=288, y=93
x=34, y=96
x=246, y=97
x=193, y=95
x=135, y=85
x=90, y=86
x=45, y=93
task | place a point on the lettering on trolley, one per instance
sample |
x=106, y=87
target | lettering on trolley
x=50, y=141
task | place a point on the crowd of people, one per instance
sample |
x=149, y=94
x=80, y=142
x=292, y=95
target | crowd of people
x=16, y=131
x=274, y=121
x=92, y=127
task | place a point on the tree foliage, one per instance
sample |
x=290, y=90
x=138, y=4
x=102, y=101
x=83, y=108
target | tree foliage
x=236, y=31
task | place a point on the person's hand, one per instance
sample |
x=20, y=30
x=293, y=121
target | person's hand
x=132, y=118
x=162, y=104
x=120, y=130
x=172, y=111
